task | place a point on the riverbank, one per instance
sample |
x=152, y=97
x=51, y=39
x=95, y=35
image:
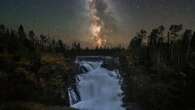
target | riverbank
x=30, y=106
x=165, y=88
x=41, y=82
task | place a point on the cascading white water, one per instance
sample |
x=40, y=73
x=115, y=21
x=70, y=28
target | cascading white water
x=98, y=88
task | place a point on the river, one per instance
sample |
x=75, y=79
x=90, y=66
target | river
x=96, y=88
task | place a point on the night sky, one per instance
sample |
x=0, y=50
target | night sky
x=69, y=19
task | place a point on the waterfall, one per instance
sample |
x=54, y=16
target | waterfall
x=97, y=88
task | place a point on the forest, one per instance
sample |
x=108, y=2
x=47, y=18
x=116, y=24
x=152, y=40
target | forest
x=157, y=69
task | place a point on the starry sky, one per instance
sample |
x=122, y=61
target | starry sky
x=69, y=19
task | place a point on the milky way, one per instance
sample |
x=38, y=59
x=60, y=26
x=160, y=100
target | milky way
x=113, y=21
x=101, y=22
x=97, y=24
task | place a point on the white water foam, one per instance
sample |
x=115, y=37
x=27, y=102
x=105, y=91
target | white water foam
x=98, y=88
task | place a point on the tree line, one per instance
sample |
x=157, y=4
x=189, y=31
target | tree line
x=158, y=69
x=19, y=41
x=160, y=46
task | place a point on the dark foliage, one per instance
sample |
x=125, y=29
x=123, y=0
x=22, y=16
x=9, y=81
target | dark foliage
x=158, y=69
